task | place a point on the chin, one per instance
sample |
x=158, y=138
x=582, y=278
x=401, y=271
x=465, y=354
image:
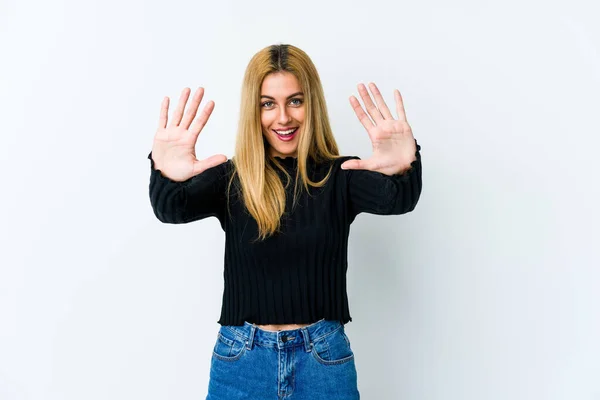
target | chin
x=285, y=149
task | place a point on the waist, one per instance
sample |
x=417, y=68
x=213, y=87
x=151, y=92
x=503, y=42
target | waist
x=281, y=327
x=293, y=337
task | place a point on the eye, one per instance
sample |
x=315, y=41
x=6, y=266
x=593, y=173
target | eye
x=298, y=100
x=265, y=103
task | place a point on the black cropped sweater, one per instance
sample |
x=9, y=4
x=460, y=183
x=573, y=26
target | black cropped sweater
x=297, y=275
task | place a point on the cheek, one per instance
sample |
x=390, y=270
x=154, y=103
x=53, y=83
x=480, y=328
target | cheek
x=265, y=122
x=300, y=115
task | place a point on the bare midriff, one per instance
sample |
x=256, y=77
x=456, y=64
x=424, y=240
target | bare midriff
x=276, y=327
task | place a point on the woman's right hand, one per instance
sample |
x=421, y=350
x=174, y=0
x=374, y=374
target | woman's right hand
x=173, y=151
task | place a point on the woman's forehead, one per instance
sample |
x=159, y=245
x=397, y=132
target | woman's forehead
x=280, y=84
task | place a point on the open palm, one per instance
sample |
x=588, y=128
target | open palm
x=174, y=145
x=392, y=139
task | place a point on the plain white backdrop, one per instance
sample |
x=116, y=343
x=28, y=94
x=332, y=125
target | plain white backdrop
x=489, y=289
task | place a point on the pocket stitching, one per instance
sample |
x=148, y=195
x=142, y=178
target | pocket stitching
x=331, y=362
x=329, y=333
x=226, y=341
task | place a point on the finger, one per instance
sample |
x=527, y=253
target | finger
x=370, y=106
x=210, y=162
x=360, y=113
x=383, y=108
x=400, y=106
x=164, y=113
x=185, y=94
x=356, y=164
x=190, y=114
x=201, y=120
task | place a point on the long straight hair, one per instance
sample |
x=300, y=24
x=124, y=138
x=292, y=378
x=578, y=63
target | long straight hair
x=263, y=191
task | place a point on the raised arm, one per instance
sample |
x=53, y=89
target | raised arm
x=182, y=188
x=199, y=197
x=389, y=182
x=377, y=193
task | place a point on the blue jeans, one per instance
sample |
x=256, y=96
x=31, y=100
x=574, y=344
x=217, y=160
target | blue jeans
x=310, y=363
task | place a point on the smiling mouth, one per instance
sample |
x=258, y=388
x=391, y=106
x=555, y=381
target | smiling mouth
x=287, y=133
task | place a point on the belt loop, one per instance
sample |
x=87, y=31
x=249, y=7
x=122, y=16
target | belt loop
x=250, y=340
x=307, y=340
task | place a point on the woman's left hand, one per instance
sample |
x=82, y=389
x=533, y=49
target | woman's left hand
x=394, y=146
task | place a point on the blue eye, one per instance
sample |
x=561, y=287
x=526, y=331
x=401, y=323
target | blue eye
x=300, y=101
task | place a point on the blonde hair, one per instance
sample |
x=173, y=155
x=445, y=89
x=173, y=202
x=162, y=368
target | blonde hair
x=263, y=191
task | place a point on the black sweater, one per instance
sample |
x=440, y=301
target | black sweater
x=298, y=275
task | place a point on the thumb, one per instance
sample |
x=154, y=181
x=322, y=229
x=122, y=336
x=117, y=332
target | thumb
x=354, y=164
x=210, y=162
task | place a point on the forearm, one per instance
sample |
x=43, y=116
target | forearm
x=181, y=202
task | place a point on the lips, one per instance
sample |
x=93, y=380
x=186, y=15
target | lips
x=288, y=137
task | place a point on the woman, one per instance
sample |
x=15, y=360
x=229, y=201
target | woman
x=285, y=201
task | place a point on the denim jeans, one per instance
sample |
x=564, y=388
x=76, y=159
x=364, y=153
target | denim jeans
x=310, y=363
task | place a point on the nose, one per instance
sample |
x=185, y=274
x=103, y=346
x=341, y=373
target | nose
x=284, y=117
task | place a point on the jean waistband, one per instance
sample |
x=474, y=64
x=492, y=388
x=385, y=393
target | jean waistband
x=306, y=335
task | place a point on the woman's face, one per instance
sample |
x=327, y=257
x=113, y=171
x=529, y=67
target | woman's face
x=282, y=110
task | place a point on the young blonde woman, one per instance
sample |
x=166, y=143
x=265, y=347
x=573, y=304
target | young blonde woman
x=285, y=202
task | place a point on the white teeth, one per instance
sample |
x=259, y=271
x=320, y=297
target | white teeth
x=289, y=131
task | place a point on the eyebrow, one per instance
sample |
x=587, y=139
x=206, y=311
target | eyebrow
x=289, y=97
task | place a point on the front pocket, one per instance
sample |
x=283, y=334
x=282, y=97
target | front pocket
x=228, y=346
x=333, y=348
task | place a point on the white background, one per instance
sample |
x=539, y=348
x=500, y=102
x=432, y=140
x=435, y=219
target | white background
x=489, y=289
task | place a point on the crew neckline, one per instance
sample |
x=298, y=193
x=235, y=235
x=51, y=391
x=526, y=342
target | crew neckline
x=283, y=158
x=287, y=161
